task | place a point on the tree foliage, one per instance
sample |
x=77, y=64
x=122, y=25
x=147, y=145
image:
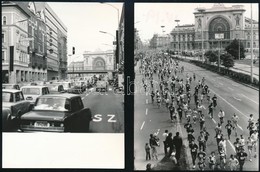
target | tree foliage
x=227, y=60
x=233, y=49
x=211, y=56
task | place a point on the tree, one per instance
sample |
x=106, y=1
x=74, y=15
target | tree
x=211, y=56
x=233, y=49
x=227, y=60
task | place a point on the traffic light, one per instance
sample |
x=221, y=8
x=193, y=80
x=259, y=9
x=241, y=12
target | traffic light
x=11, y=63
x=73, y=50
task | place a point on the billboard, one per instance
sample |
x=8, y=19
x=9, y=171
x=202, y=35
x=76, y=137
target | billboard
x=219, y=35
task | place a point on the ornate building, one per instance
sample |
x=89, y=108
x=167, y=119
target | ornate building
x=219, y=25
x=161, y=41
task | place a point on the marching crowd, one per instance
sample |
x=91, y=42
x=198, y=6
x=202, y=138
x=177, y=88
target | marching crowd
x=173, y=89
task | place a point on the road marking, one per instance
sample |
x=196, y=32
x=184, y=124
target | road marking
x=236, y=98
x=203, y=107
x=230, y=88
x=150, y=120
x=232, y=145
x=221, y=83
x=146, y=101
x=229, y=103
x=146, y=111
x=146, y=94
x=215, y=85
x=142, y=125
x=250, y=99
x=214, y=120
x=234, y=85
x=240, y=127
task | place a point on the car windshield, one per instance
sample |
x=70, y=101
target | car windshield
x=52, y=103
x=31, y=91
x=7, y=97
x=66, y=85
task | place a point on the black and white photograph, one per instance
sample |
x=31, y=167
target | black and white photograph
x=63, y=81
x=196, y=101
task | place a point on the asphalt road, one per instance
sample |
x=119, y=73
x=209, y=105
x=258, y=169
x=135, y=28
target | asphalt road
x=232, y=98
x=107, y=111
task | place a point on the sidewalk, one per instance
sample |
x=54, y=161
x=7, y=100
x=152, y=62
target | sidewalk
x=243, y=68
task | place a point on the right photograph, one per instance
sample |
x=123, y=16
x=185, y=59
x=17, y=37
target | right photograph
x=196, y=86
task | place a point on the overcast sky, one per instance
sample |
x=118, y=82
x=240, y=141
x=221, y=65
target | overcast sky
x=84, y=21
x=149, y=17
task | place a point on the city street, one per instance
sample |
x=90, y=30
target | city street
x=107, y=111
x=232, y=98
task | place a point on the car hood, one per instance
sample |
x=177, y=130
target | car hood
x=44, y=115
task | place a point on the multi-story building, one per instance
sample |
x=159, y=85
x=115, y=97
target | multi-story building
x=160, y=41
x=138, y=42
x=23, y=35
x=219, y=25
x=121, y=41
x=56, y=44
x=39, y=40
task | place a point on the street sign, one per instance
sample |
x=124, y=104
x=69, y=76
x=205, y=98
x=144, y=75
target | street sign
x=219, y=35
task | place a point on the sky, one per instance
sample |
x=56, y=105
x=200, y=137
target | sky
x=149, y=17
x=84, y=21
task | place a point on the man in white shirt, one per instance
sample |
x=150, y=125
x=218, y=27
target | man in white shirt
x=165, y=134
x=221, y=116
x=254, y=137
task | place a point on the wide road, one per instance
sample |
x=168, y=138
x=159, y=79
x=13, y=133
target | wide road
x=107, y=110
x=232, y=98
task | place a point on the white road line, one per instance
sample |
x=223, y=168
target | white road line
x=230, y=88
x=233, y=147
x=236, y=98
x=221, y=83
x=240, y=127
x=234, y=85
x=146, y=111
x=142, y=125
x=229, y=103
x=203, y=107
x=146, y=101
x=146, y=94
x=250, y=99
x=157, y=131
x=150, y=120
x=214, y=120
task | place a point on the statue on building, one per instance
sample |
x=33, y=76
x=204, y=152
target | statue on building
x=237, y=20
x=199, y=23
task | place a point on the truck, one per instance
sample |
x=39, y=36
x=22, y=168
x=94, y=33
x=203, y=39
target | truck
x=101, y=86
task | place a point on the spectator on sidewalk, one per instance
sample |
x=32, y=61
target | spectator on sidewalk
x=177, y=141
x=169, y=143
x=165, y=134
x=147, y=151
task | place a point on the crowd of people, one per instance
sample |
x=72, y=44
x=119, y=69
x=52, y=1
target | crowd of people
x=173, y=88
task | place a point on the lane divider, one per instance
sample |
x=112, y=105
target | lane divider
x=203, y=107
x=240, y=127
x=214, y=120
x=142, y=125
x=146, y=111
x=230, y=88
x=146, y=101
x=249, y=99
x=237, y=98
x=234, y=84
x=233, y=147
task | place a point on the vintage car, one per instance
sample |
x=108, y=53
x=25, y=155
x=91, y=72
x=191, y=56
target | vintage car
x=66, y=85
x=57, y=113
x=55, y=88
x=14, y=106
x=11, y=86
x=32, y=92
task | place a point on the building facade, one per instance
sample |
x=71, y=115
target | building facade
x=26, y=29
x=216, y=27
x=160, y=41
x=121, y=37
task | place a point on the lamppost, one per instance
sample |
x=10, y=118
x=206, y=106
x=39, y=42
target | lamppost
x=177, y=21
x=202, y=10
x=251, y=45
x=219, y=37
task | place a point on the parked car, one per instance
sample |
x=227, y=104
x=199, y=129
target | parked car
x=32, y=92
x=66, y=85
x=11, y=86
x=55, y=88
x=14, y=106
x=57, y=113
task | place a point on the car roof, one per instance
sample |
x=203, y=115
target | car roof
x=65, y=95
x=10, y=84
x=33, y=86
x=11, y=90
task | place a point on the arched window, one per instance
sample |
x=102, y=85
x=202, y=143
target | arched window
x=254, y=45
x=248, y=45
x=4, y=20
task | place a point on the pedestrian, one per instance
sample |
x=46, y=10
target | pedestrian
x=237, y=145
x=153, y=145
x=194, y=151
x=172, y=110
x=235, y=119
x=218, y=137
x=249, y=143
x=202, y=121
x=169, y=143
x=147, y=151
x=177, y=141
x=221, y=116
x=206, y=134
x=202, y=141
x=194, y=115
x=242, y=142
x=254, y=137
x=233, y=163
x=180, y=112
x=211, y=111
x=149, y=167
x=212, y=160
x=165, y=134
x=241, y=155
x=229, y=128
x=202, y=158
x=214, y=99
x=223, y=145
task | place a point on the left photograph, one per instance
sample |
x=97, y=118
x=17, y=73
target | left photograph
x=62, y=67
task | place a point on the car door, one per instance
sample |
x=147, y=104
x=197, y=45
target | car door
x=20, y=103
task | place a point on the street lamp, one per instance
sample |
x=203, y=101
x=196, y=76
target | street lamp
x=177, y=21
x=251, y=44
x=108, y=34
x=202, y=10
x=115, y=9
